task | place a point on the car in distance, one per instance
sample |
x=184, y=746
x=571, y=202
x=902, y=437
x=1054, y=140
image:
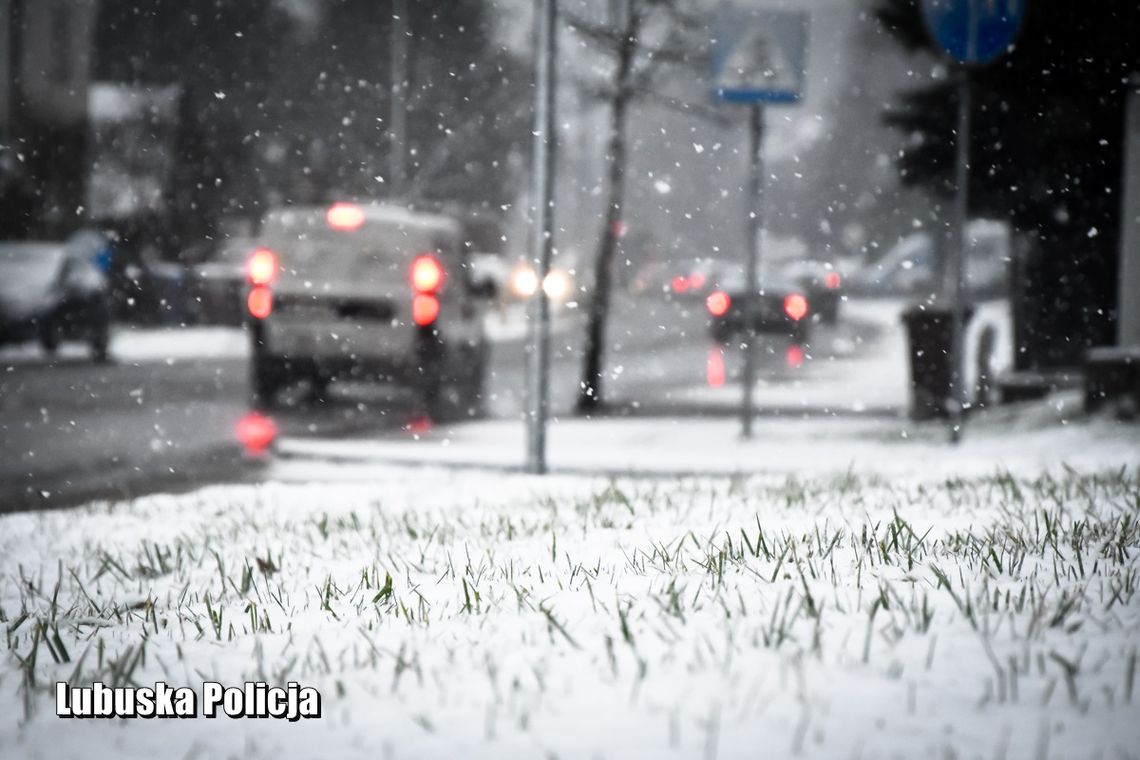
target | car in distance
x=559, y=283
x=365, y=292
x=777, y=309
x=677, y=280
x=821, y=282
x=692, y=279
x=51, y=292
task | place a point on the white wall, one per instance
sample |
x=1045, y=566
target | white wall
x=5, y=68
x=1128, y=311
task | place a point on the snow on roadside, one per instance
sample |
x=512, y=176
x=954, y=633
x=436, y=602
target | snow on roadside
x=141, y=345
x=1025, y=442
x=179, y=343
x=867, y=374
x=490, y=615
x=509, y=323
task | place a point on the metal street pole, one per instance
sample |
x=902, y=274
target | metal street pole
x=752, y=266
x=542, y=238
x=1128, y=317
x=971, y=32
x=398, y=115
x=958, y=290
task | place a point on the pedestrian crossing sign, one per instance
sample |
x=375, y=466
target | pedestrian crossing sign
x=759, y=55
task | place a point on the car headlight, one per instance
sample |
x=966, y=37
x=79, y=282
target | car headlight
x=557, y=285
x=524, y=282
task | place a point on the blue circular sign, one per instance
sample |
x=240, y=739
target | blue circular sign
x=974, y=31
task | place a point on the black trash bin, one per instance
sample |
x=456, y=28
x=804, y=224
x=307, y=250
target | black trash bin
x=929, y=336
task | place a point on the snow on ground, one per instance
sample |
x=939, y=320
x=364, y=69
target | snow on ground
x=986, y=608
x=1024, y=439
x=865, y=365
x=840, y=586
x=508, y=323
x=143, y=345
x=846, y=413
x=180, y=343
x=139, y=345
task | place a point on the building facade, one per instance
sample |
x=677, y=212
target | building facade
x=45, y=72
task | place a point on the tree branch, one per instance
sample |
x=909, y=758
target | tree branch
x=716, y=116
x=602, y=35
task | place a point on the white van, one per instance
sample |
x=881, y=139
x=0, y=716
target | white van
x=364, y=292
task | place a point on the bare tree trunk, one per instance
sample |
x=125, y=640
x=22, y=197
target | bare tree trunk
x=590, y=389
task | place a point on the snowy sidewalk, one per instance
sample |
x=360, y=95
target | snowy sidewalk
x=141, y=345
x=862, y=365
x=509, y=324
x=1021, y=439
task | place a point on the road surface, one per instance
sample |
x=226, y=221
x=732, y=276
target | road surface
x=71, y=431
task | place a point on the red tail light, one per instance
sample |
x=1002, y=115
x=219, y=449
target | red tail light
x=260, y=301
x=717, y=303
x=832, y=280
x=262, y=266
x=425, y=308
x=345, y=216
x=795, y=356
x=796, y=306
x=680, y=283
x=256, y=433
x=714, y=367
x=427, y=274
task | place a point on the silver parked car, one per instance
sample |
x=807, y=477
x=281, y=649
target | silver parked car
x=51, y=292
x=365, y=292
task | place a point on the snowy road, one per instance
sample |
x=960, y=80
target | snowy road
x=70, y=429
x=164, y=414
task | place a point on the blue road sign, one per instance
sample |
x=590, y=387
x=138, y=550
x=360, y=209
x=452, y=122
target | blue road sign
x=759, y=55
x=974, y=31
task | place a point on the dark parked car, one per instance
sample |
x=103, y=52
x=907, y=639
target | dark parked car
x=691, y=279
x=778, y=308
x=218, y=284
x=821, y=283
x=52, y=292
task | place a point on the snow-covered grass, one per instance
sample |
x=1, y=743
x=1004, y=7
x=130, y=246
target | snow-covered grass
x=469, y=615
